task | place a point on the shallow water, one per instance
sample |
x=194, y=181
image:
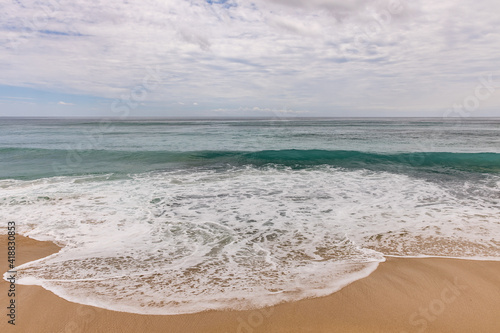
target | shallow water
x=167, y=217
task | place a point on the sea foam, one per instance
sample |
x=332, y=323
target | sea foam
x=177, y=242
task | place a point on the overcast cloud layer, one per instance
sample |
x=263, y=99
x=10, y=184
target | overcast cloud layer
x=250, y=58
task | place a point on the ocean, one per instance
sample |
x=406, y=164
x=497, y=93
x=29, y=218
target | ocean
x=171, y=216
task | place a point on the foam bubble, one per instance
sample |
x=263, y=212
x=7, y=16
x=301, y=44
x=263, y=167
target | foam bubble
x=187, y=241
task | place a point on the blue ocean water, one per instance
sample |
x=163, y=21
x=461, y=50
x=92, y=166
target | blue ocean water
x=183, y=215
x=59, y=146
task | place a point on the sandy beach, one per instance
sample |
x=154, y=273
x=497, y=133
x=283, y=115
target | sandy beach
x=402, y=295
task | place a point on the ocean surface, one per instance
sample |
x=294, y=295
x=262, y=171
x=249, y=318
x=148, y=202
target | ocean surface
x=181, y=216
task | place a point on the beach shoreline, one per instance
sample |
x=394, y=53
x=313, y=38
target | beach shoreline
x=402, y=295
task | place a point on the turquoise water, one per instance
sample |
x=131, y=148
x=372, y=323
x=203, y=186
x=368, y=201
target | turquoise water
x=179, y=216
x=33, y=149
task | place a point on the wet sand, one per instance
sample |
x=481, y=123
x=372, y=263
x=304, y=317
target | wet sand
x=403, y=295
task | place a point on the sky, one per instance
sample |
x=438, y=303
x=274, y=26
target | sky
x=235, y=58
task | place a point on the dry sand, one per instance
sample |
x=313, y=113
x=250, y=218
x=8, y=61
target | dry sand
x=402, y=295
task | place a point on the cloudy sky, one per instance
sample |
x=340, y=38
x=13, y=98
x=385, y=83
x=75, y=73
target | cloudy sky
x=220, y=58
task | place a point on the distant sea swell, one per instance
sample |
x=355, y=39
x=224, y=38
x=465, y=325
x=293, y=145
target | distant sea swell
x=19, y=162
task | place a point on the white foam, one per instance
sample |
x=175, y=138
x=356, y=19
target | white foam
x=181, y=242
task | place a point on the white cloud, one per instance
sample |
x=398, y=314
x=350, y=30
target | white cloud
x=64, y=103
x=325, y=56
